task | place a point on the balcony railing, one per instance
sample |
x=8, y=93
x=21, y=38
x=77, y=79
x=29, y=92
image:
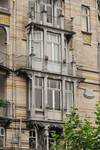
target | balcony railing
x=31, y=62
x=53, y=21
x=4, y=59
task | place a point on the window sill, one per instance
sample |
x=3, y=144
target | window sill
x=88, y=33
x=5, y=11
x=39, y=110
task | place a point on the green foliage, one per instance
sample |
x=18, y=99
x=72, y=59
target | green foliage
x=3, y=103
x=97, y=129
x=77, y=134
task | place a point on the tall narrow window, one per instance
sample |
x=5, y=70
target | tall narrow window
x=36, y=44
x=58, y=11
x=85, y=19
x=53, y=47
x=46, y=5
x=33, y=138
x=2, y=87
x=54, y=94
x=2, y=136
x=68, y=95
x=39, y=92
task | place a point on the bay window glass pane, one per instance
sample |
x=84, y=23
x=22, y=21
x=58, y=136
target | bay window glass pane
x=50, y=98
x=53, y=83
x=57, y=100
x=49, y=48
x=37, y=49
x=53, y=46
x=37, y=44
x=49, y=14
x=38, y=98
x=56, y=52
x=68, y=95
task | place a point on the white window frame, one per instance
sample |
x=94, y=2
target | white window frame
x=69, y=90
x=53, y=93
x=39, y=87
x=40, y=41
x=3, y=136
x=86, y=17
x=53, y=43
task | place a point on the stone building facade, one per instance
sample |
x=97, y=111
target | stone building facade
x=49, y=61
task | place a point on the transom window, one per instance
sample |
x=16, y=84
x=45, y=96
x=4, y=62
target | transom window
x=39, y=92
x=68, y=95
x=53, y=47
x=85, y=19
x=54, y=94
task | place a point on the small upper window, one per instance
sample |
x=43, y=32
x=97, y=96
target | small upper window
x=85, y=19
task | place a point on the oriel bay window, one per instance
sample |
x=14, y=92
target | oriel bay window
x=53, y=47
x=68, y=95
x=85, y=18
x=38, y=92
x=54, y=94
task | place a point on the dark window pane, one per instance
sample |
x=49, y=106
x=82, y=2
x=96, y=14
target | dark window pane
x=4, y=3
x=65, y=107
x=57, y=100
x=32, y=142
x=38, y=98
x=2, y=131
x=53, y=84
x=49, y=14
x=40, y=81
x=1, y=141
x=50, y=98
